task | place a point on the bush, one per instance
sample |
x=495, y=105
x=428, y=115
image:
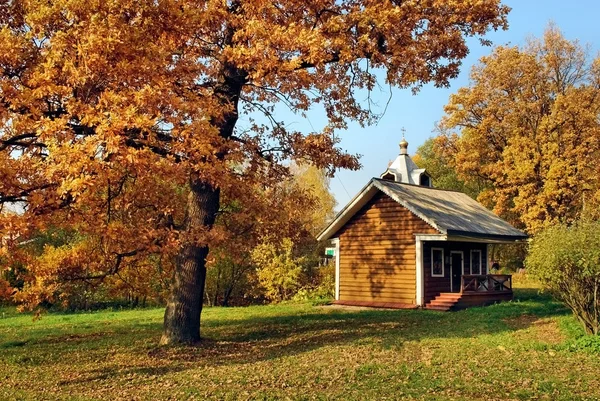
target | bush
x=510, y=256
x=227, y=281
x=321, y=289
x=589, y=344
x=566, y=261
x=278, y=270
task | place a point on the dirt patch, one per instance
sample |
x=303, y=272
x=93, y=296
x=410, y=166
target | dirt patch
x=547, y=330
x=533, y=328
x=521, y=322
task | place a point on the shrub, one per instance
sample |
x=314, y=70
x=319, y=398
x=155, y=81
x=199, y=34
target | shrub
x=279, y=271
x=566, y=261
x=227, y=281
x=321, y=289
x=589, y=344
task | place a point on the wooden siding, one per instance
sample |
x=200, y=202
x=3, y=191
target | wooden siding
x=378, y=253
x=436, y=285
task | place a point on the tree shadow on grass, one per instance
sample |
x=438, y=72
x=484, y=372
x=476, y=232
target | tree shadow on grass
x=262, y=338
x=258, y=338
x=113, y=372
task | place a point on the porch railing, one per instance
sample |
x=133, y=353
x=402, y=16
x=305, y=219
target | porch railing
x=486, y=283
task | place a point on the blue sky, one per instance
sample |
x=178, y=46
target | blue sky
x=578, y=19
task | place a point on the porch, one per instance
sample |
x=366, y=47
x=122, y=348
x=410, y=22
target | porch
x=475, y=290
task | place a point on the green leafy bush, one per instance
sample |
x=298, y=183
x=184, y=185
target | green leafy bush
x=566, y=261
x=589, y=344
x=322, y=289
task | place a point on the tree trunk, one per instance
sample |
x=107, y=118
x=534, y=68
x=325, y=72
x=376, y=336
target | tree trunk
x=227, y=295
x=182, y=316
x=216, y=297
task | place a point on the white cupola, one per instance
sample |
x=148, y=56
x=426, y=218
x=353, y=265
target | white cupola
x=404, y=170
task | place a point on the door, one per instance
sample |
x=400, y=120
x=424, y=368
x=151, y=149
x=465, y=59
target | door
x=456, y=270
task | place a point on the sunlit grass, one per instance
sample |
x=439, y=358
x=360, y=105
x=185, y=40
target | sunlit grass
x=516, y=350
x=525, y=281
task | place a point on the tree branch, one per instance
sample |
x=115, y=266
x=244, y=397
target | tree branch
x=23, y=140
x=113, y=270
x=20, y=196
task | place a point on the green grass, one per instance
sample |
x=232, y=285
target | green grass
x=519, y=350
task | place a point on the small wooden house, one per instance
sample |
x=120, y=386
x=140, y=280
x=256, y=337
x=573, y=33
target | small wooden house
x=400, y=243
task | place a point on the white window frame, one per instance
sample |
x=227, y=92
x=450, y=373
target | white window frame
x=471, y=261
x=443, y=263
x=487, y=259
x=420, y=279
x=336, y=244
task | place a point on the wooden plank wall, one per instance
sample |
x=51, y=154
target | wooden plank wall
x=435, y=285
x=377, y=253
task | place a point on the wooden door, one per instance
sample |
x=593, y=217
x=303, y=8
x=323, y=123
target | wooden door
x=456, y=270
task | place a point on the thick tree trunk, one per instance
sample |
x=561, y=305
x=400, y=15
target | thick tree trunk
x=182, y=316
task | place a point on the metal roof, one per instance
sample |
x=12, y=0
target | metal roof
x=450, y=212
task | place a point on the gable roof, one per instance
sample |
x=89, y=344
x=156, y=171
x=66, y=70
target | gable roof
x=450, y=212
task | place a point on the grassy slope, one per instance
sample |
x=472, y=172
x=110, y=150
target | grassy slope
x=509, y=351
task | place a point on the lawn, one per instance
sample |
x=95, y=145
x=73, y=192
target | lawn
x=518, y=350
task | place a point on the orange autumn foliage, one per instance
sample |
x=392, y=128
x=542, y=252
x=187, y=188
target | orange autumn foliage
x=119, y=118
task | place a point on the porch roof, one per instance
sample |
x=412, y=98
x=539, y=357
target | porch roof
x=450, y=212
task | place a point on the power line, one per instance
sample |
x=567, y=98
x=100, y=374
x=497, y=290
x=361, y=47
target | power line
x=347, y=193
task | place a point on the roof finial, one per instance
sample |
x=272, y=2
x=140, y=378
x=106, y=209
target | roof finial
x=403, y=143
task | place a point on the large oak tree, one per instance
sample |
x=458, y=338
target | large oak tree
x=113, y=112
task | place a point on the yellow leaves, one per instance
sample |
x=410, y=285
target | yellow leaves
x=529, y=129
x=316, y=183
x=12, y=48
x=278, y=270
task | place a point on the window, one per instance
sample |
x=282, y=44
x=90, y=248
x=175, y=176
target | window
x=476, y=261
x=389, y=176
x=425, y=180
x=437, y=262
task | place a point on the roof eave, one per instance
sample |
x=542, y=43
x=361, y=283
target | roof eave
x=488, y=237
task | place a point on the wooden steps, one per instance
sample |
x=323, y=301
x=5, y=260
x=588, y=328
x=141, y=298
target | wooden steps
x=444, y=302
x=451, y=301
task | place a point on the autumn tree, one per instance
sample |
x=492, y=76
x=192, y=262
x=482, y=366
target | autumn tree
x=527, y=126
x=315, y=183
x=114, y=113
x=294, y=208
x=440, y=165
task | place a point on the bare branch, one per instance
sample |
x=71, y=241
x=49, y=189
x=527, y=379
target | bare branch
x=23, y=194
x=112, y=271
